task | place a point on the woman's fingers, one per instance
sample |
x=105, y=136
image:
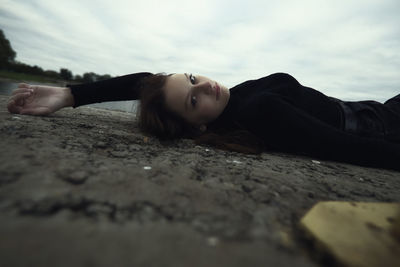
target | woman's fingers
x=22, y=90
x=13, y=107
x=17, y=102
x=23, y=85
x=19, y=98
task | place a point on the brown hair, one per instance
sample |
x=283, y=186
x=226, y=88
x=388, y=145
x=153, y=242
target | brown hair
x=156, y=119
x=238, y=140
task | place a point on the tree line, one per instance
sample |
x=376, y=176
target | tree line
x=8, y=62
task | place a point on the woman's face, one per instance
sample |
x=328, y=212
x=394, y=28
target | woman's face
x=197, y=99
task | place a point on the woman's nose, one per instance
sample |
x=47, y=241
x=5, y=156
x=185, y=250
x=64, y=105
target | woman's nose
x=205, y=87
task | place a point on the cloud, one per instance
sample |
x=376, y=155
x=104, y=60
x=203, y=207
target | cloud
x=344, y=48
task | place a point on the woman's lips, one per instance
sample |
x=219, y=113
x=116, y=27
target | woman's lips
x=217, y=91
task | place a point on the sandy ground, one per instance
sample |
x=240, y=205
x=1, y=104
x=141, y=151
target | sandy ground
x=84, y=187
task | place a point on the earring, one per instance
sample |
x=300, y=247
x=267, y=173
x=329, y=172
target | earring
x=203, y=128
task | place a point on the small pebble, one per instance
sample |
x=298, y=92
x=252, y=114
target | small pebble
x=233, y=161
x=16, y=118
x=207, y=149
x=100, y=144
x=316, y=162
x=76, y=177
x=212, y=241
x=147, y=167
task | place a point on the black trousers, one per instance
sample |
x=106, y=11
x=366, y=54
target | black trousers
x=373, y=119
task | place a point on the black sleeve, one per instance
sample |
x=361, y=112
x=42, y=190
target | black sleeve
x=116, y=89
x=285, y=127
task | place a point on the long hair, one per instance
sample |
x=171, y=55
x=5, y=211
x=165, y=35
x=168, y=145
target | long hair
x=156, y=119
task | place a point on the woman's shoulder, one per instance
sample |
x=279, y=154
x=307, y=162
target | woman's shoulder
x=279, y=76
x=270, y=80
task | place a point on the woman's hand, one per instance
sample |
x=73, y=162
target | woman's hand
x=39, y=100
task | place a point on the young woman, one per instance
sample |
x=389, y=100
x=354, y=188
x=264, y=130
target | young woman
x=275, y=112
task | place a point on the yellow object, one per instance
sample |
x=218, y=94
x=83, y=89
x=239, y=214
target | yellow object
x=357, y=233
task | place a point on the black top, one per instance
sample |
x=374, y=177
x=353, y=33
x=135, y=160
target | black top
x=293, y=118
x=125, y=87
x=281, y=112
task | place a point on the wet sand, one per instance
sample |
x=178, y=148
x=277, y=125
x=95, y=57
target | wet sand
x=84, y=187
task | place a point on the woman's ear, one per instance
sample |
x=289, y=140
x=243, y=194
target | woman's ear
x=203, y=128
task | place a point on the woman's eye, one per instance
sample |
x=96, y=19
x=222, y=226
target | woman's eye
x=192, y=79
x=193, y=101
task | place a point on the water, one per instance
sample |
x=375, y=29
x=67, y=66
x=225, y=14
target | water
x=7, y=87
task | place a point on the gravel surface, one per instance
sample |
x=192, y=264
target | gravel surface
x=84, y=187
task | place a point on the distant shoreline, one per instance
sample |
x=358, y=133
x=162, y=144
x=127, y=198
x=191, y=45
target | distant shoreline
x=16, y=77
x=9, y=80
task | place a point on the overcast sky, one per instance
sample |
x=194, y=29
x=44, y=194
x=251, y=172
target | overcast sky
x=349, y=49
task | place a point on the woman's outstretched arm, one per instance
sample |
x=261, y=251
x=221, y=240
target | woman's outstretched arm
x=44, y=100
x=125, y=87
x=39, y=100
